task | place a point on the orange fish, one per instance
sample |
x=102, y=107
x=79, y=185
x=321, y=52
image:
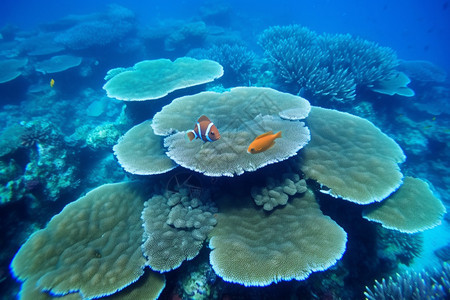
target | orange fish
x=52, y=82
x=263, y=142
x=204, y=130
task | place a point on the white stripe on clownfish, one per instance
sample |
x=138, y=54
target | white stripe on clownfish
x=207, y=131
x=199, y=130
x=195, y=135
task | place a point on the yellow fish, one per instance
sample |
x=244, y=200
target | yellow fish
x=263, y=142
x=52, y=82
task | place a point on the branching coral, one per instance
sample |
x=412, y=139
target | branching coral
x=277, y=192
x=329, y=66
x=237, y=60
x=413, y=285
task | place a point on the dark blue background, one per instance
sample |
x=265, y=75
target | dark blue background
x=416, y=29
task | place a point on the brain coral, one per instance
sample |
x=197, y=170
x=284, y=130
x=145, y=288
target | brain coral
x=351, y=157
x=153, y=79
x=412, y=208
x=144, y=157
x=240, y=115
x=252, y=247
x=93, y=246
x=175, y=227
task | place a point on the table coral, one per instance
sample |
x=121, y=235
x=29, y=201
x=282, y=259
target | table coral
x=351, y=157
x=254, y=248
x=92, y=246
x=412, y=208
x=153, y=79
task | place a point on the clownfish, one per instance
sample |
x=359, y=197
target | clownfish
x=52, y=82
x=204, y=130
x=263, y=142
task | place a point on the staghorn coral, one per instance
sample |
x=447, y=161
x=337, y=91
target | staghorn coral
x=92, y=246
x=395, y=246
x=175, y=226
x=326, y=66
x=143, y=158
x=277, y=192
x=412, y=285
x=254, y=248
x=412, y=208
x=365, y=61
x=236, y=60
x=153, y=79
x=351, y=157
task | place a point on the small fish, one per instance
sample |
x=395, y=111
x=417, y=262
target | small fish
x=204, y=130
x=263, y=142
x=433, y=119
x=52, y=82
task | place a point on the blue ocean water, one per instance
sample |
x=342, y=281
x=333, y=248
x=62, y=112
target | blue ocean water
x=58, y=127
